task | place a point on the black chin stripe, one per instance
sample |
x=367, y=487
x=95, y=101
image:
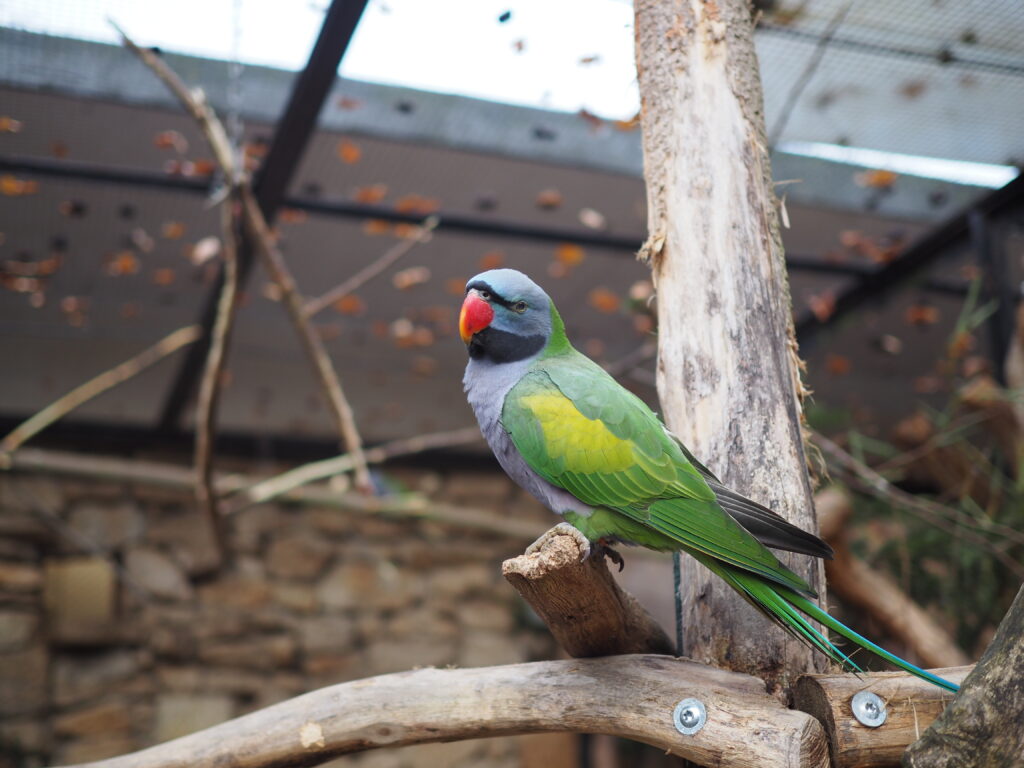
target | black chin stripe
x=504, y=347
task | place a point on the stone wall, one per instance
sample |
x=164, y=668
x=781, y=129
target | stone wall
x=115, y=634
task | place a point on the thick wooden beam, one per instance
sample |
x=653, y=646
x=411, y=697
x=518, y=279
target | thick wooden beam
x=911, y=705
x=628, y=696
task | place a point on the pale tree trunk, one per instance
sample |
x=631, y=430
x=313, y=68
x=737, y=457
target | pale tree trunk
x=728, y=372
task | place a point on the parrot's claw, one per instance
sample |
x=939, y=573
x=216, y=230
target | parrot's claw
x=611, y=554
x=562, y=529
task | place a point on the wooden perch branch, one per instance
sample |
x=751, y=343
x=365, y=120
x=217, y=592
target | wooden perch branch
x=580, y=601
x=63, y=405
x=911, y=705
x=628, y=696
x=858, y=584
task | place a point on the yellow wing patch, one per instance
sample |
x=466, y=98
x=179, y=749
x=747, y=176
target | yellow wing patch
x=586, y=445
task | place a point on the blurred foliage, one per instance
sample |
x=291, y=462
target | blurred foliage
x=969, y=457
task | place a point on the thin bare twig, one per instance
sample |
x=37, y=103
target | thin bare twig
x=311, y=342
x=192, y=99
x=805, y=77
x=628, y=362
x=209, y=385
x=96, y=386
x=948, y=520
x=256, y=224
x=288, y=481
x=374, y=268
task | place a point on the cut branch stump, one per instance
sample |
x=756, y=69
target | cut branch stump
x=582, y=604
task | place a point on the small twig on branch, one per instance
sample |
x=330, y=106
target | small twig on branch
x=628, y=696
x=953, y=522
x=212, y=128
x=95, y=386
x=628, y=362
x=209, y=385
x=858, y=584
x=311, y=342
x=374, y=268
x=277, y=485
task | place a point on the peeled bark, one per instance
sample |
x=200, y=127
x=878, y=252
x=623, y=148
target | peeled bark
x=728, y=373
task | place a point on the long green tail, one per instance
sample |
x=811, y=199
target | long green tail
x=785, y=606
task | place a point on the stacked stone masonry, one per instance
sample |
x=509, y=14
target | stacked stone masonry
x=116, y=633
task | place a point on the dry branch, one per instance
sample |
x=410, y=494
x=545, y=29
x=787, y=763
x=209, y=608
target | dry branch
x=858, y=584
x=171, y=476
x=628, y=696
x=954, y=522
x=209, y=385
x=337, y=402
x=275, y=486
x=213, y=130
x=96, y=386
x=911, y=705
x=194, y=102
x=374, y=268
x=583, y=606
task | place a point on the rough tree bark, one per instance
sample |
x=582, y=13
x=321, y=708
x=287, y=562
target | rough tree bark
x=728, y=373
x=984, y=724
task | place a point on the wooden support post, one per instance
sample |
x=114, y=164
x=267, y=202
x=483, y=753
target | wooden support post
x=629, y=696
x=911, y=705
x=728, y=372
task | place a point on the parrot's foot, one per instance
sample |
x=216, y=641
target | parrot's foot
x=562, y=529
x=611, y=554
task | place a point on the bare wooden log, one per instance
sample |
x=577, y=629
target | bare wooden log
x=859, y=585
x=911, y=705
x=628, y=696
x=984, y=726
x=580, y=601
x=728, y=372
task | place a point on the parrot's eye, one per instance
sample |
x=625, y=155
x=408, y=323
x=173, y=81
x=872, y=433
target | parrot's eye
x=519, y=306
x=485, y=295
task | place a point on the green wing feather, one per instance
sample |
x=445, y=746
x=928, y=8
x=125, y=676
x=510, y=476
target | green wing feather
x=581, y=431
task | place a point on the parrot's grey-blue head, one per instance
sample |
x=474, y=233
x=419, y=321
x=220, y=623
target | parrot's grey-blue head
x=505, y=317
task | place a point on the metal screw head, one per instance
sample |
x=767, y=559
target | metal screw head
x=689, y=716
x=868, y=708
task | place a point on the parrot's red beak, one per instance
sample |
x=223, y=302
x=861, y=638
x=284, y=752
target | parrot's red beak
x=476, y=315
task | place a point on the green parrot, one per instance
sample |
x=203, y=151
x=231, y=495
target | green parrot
x=591, y=451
